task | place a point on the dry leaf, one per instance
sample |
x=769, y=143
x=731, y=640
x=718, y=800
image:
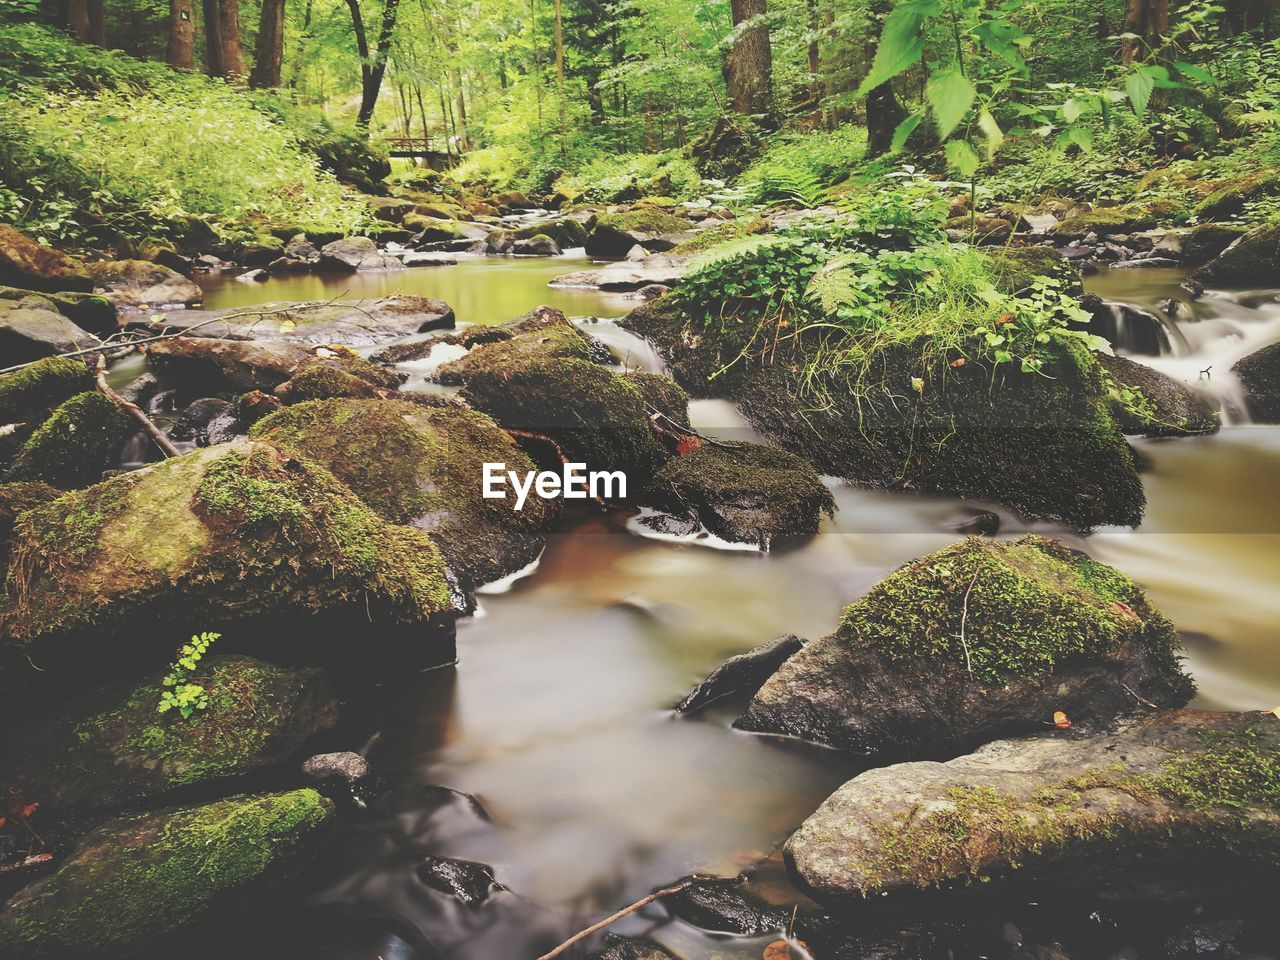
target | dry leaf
x=781, y=950
x=1276, y=711
x=1061, y=720
x=286, y=326
x=29, y=809
x=687, y=444
x=958, y=363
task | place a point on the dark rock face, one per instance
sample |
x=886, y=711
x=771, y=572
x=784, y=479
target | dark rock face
x=353, y=254
x=611, y=236
x=627, y=948
x=1260, y=374
x=1172, y=409
x=746, y=493
x=205, y=421
x=1250, y=260
x=32, y=328
x=1202, y=243
x=33, y=266
x=133, y=882
x=1186, y=800
x=470, y=883
x=978, y=640
x=135, y=284
x=201, y=363
x=743, y=673
x=723, y=906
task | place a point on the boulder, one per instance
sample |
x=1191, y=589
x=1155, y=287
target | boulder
x=744, y=673
x=138, y=284
x=978, y=640
x=1205, y=241
x=135, y=882
x=32, y=328
x=1157, y=405
x=611, y=235
x=1105, y=221
x=423, y=466
x=1251, y=260
x=468, y=882
x=745, y=493
x=32, y=392
x=241, y=533
x=631, y=948
x=206, y=421
x=260, y=251
x=625, y=276
x=1182, y=801
x=332, y=376
x=1259, y=374
x=74, y=446
x=354, y=323
x=112, y=749
x=33, y=266
x=352, y=254
x=203, y=364
x=15, y=499
x=539, y=245
x=86, y=310
x=513, y=200
x=389, y=209
x=344, y=765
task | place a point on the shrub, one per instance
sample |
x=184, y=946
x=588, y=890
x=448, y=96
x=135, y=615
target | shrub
x=801, y=166
x=630, y=176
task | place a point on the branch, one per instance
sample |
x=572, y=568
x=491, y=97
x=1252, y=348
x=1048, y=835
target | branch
x=133, y=410
x=615, y=917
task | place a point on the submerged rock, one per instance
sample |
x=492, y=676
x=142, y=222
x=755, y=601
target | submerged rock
x=745, y=493
x=225, y=535
x=74, y=446
x=350, y=322
x=134, y=284
x=114, y=749
x=725, y=907
x=977, y=640
x=26, y=263
x=468, y=882
x=1259, y=374
x=1164, y=407
x=743, y=673
x=352, y=254
x=631, y=948
x=423, y=466
x=1251, y=260
x=134, y=882
x=1180, y=801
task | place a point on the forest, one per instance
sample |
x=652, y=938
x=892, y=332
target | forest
x=639, y=479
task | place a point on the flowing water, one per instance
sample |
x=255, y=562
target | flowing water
x=556, y=717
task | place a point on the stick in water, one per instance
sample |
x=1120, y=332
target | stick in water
x=615, y=917
x=134, y=411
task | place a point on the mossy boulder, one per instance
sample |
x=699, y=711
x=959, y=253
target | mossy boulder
x=423, y=466
x=239, y=534
x=138, y=284
x=978, y=640
x=33, y=266
x=1045, y=445
x=547, y=382
x=611, y=235
x=566, y=232
x=135, y=882
x=16, y=498
x=1259, y=374
x=352, y=323
x=1182, y=803
x=114, y=749
x=74, y=446
x=1013, y=269
x=1203, y=242
x=1106, y=220
x=89, y=311
x=32, y=328
x=720, y=233
x=210, y=365
x=32, y=392
x=338, y=372
x=1251, y=260
x=1229, y=199
x=745, y=493
x=1158, y=405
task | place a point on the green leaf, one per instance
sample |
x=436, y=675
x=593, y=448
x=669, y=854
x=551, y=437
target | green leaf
x=900, y=46
x=1139, y=87
x=1072, y=109
x=950, y=93
x=1002, y=38
x=1192, y=72
x=991, y=131
x=904, y=131
x=962, y=156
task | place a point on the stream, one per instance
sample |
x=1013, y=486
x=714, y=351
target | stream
x=556, y=717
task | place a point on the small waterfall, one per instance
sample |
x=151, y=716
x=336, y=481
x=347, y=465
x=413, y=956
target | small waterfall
x=1135, y=329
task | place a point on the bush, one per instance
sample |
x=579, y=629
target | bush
x=630, y=176
x=798, y=167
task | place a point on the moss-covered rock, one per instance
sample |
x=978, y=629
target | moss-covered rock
x=1252, y=259
x=16, y=498
x=74, y=446
x=137, y=284
x=663, y=395
x=1044, y=445
x=208, y=365
x=32, y=392
x=1203, y=242
x=1106, y=220
x=1150, y=403
x=722, y=233
x=1015, y=268
x=1259, y=374
x=226, y=535
x=1229, y=199
x=89, y=311
x=338, y=373
x=1179, y=803
x=980, y=229
x=115, y=749
x=423, y=466
x=977, y=640
x=611, y=235
x=135, y=881
x=33, y=266
x=744, y=493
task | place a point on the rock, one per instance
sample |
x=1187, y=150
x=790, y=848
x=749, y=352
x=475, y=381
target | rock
x=725, y=907
x=32, y=328
x=135, y=284
x=427, y=260
x=665, y=269
x=1165, y=406
x=352, y=254
x=1187, y=801
x=133, y=883
x=1127, y=326
x=536, y=246
x=260, y=251
x=984, y=523
x=355, y=323
x=470, y=883
x=513, y=200
x=74, y=446
x=1014, y=269
x=206, y=421
x=1211, y=939
x=1107, y=220
x=334, y=376
x=742, y=673
x=345, y=764
x=546, y=380
x=611, y=235
x=389, y=209
x=205, y=364
x=423, y=466
x=1143, y=263
x=31, y=393
x=255, y=405
x=222, y=535
x=1251, y=260
x=1045, y=629
x=1205, y=241
x=1229, y=200
x=112, y=749
x=651, y=291
x=746, y=494
x=33, y=266
x=429, y=230
x=629, y=948
x=255, y=276
x=301, y=249
x=1259, y=374
x=86, y=310
x=15, y=499
x=983, y=230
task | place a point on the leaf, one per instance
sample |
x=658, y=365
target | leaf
x=917, y=384
x=903, y=133
x=1002, y=38
x=1276, y=711
x=962, y=156
x=28, y=810
x=1072, y=110
x=991, y=131
x=688, y=444
x=1192, y=72
x=781, y=950
x=1139, y=87
x=1061, y=720
x=950, y=93
x=900, y=46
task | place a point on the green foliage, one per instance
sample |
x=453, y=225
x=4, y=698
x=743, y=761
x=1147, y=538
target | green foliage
x=630, y=176
x=181, y=693
x=797, y=168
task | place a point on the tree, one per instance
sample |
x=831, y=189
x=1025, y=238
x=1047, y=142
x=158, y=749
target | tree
x=269, y=52
x=182, y=35
x=223, y=57
x=748, y=67
x=373, y=64
x=884, y=112
x=1144, y=22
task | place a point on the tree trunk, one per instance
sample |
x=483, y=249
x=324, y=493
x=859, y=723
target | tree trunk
x=814, y=59
x=182, y=35
x=748, y=67
x=560, y=71
x=373, y=64
x=229, y=38
x=97, y=23
x=884, y=112
x=1147, y=20
x=212, y=39
x=268, y=56
x=78, y=19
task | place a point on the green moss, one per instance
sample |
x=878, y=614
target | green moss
x=1023, y=607
x=133, y=881
x=1015, y=268
x=1234, y=770
x=74, y=446
x=722, y=233
x=40, y=387
x=1105, y=220
x=662, y=394
x=643, y=220
x=316, y=381
x=1229, y=200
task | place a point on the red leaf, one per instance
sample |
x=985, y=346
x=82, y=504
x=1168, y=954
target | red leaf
x=29, y=809
x=687, y=444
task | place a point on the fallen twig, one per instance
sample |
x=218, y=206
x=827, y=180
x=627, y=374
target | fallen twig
x=615, y=917
x=1141, y=699
x=134, y=411
x=964, y=618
